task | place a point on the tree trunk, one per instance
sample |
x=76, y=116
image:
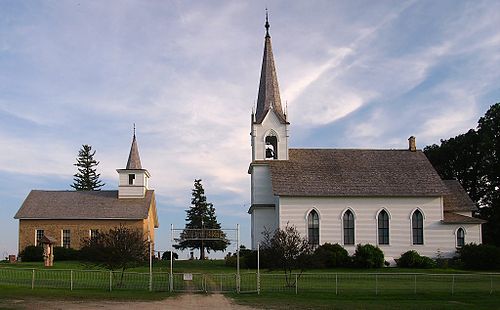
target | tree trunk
x=202, y=253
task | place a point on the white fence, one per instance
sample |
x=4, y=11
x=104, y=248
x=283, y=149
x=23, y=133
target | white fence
x=335, y=283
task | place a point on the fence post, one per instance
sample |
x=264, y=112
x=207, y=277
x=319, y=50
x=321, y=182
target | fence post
x=376, y=284
x=336, y=285
x=415, y=286
x=453, y=285
x=296, y=284
x=491, y=284
x=33, y=279
x=71, y=280
x=110, y=281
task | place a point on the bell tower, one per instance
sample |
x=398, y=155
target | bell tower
x=269, y=124
x=133, y=180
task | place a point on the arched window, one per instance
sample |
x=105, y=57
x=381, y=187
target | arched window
x=383, y=227
x=313, y=228
x=417, y=224
x=460, y=237
x=271, y=147
x=348, y=221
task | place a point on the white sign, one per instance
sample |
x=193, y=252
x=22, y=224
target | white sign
x=188, y=277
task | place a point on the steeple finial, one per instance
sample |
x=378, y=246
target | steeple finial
x=267, y=24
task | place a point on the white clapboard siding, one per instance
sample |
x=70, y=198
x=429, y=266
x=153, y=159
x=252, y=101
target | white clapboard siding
x=261, y=186
x=262, y=219
x=259, y=133
x=439, y=238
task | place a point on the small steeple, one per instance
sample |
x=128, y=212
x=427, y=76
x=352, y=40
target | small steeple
x=134, y=160
x=269, y=94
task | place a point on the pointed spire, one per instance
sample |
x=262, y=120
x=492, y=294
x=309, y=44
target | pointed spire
x=269, y=93
x=134, y=161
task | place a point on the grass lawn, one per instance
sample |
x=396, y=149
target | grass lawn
x=331, y=301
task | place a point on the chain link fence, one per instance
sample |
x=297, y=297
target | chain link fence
x=251, y=282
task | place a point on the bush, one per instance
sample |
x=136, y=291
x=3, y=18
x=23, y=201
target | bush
x=166, y=255
x=480, y=256
x=32, y=253
x=368, y=256
x=61, y=253
x=411, y=259
x=330, y=256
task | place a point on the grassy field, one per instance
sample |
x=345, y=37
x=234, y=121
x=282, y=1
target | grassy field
x=383, y=288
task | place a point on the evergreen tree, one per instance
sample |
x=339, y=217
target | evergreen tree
x=86, y=179
x=202, y=230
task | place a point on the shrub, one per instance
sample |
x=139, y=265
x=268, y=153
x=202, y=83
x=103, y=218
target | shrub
x=479, y=256
x=32, y=253
x=368, y=256
x=330, y=255
x=166, y=255
x=61, y=253
x=411, y=259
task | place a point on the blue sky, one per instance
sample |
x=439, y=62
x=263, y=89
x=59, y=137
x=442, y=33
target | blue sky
x=355, y=74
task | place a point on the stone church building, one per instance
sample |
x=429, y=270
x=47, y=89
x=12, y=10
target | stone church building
x=391, y=198
x=70, y=216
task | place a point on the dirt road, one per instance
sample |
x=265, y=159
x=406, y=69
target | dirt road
x=181, y=302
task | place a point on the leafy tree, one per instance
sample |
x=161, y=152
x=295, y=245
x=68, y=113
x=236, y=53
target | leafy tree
x=166, y=255
x=287, y=249
x=86, y=179
x=118, y=249
x=201, y=225
x=473, y=159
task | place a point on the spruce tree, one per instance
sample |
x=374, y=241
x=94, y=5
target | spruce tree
x=202, y=230
x=86, y=179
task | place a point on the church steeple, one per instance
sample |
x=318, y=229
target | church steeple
x=269, y=93
x=134, y=160
x=134, y=179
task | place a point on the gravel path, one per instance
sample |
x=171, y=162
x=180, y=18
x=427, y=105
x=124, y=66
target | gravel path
x=181, y=302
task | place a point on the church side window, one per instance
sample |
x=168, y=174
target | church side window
x=39, y=233
x=313, y=228
x=131, y=179
x=348, y=221
x=271, y=147
x=417, y=223
x=460, y=237
x=383, y=227
x=66, y=238
x=93, y=233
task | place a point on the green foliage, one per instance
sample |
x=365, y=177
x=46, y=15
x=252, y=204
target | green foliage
x=61, y=254
x=248, y=259
x=120, y=248
x=473, y=159
x=86, y=179
x=480, y=256
x=166, y=255
x=330, y=256
x=201, y=215
x=411, y=259
x=32, y=253
x=368, y=256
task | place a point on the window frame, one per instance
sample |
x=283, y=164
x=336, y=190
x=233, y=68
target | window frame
x=462, y=237
x=315, y=230
x=36, y=236
x=348, y=229
x=131, y=179
x=419, y=230
x=66, y=238
x=387, y=229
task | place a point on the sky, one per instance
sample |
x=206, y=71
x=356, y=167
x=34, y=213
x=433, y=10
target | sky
x=354, y=74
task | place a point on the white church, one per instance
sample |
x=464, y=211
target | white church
x=390, y=198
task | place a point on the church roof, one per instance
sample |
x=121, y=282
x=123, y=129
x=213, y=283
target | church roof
x=454, y=218
x=458, y=199
x=134, y=160
x=85, y=205
x=354, y=172
x=269, y=93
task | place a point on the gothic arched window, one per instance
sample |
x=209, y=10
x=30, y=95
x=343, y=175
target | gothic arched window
x=348, y=223
x=383, y=227
x=460, y=237
x=313, y=228
x=271, y=147
x=417, y=224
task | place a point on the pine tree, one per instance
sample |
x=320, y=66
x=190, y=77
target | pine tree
x=202, y=225
x=86, y=179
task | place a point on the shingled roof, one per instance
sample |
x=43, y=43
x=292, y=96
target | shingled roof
x=453, y=218
x=85, y=205
x=458, y=199
x=354, y=172
x=134, y=160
